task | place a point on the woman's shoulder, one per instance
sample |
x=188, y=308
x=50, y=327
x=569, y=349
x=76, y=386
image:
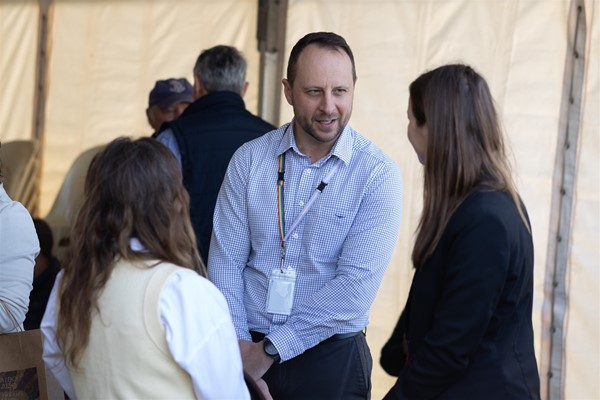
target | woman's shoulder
x=16, y=225
x=487, y=202
x=490, y=207
x=13, y=212
x=186, y=290
x=190, y=282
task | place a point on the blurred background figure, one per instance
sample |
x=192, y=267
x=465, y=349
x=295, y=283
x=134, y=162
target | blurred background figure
x=207, y=134
x=18, y=248
x=167, y=100
x=44, y=273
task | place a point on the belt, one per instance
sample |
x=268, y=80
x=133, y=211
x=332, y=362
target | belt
x=258, y=336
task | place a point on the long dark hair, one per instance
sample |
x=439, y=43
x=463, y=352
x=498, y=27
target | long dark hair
x=133, y=189
x=465, y=148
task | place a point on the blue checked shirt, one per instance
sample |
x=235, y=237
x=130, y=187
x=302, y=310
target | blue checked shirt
x=340, y=250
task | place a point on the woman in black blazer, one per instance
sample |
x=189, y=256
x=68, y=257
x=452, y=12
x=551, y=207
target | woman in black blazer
x=466, y=330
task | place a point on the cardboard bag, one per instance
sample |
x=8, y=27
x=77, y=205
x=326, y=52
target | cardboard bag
x=22, y=370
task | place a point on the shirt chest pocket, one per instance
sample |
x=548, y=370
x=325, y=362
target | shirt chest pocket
x=327, y=230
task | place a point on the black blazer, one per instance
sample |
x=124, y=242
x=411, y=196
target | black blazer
x=466, y=330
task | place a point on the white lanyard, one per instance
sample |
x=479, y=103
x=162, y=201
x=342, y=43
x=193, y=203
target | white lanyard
x=280, y=203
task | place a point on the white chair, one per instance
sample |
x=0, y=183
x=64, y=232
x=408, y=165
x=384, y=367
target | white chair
x=68, y=202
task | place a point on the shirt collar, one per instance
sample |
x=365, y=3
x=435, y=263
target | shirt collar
x=137, y=246
x=342, y=148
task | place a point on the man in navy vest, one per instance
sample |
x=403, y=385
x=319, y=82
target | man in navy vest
x=210, y=130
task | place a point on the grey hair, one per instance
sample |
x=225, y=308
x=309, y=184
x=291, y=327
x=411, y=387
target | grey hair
x=221, y=68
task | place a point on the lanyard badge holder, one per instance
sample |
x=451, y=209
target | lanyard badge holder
x=281, y=291
x=282, y=282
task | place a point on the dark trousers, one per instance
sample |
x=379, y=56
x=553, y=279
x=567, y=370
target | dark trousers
x=334, y=369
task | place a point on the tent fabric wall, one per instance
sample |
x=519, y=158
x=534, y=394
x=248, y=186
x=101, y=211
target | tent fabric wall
x=18, y=43
x=521, y=55
x=106, y=55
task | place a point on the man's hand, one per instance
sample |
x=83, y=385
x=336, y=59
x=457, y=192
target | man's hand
x=256, y=361
x=264, y=389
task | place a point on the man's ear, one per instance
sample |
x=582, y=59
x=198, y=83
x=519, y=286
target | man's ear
x=198, y=90
x=245, y=88
x=287, y=91
x=150, y=117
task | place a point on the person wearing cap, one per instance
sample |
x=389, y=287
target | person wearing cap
x=210, y=130
x=167, y=100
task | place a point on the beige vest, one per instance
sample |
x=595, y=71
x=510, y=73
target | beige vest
x=127, y=356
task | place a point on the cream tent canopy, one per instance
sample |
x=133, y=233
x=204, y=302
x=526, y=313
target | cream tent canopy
x=75, y=74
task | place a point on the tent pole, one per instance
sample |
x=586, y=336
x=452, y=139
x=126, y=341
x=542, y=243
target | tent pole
x=40, y=91
x=557, y=300
x=270, y=35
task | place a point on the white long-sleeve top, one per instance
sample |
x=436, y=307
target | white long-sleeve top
x=215, y=369
x=18, y=249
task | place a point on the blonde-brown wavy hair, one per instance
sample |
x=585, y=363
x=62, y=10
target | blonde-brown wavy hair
x=133, y=189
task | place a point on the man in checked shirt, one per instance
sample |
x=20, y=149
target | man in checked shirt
x=304, y=227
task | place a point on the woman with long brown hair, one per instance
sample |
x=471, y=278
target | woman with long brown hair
x=132, y=315
x=466, y=330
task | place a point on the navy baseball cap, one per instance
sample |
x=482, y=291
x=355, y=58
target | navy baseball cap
x=170, y=91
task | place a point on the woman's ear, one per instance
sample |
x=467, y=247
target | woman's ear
x=177, y=205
